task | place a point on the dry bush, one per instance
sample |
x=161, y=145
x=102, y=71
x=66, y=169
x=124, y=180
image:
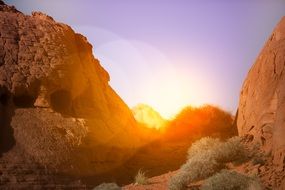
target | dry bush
x=198, y=167
x=230, y=180
x=141, y=178
x=207, y=157
x=203, y=144
x=233, y=150
x=107, y=186
x=200, y=122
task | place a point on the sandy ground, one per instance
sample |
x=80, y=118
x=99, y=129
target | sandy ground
x=155, y=183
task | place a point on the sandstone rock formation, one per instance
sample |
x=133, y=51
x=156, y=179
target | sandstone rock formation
x=56, y=107
x=147, y=116
x=261, y=115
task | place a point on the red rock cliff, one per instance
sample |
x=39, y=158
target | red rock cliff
x=261, y=113
x=57, y=108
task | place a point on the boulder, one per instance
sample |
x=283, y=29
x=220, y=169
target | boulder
x=57, y=108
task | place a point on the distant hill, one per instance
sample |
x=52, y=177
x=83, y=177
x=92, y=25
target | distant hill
x=146, y=115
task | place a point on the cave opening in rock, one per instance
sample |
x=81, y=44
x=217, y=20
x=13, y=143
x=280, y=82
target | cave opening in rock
x=7, y=140
x=4, y=99
x=60, y=101
x=24, y=101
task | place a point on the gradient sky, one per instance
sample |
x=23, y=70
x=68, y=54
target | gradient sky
x=170, y=53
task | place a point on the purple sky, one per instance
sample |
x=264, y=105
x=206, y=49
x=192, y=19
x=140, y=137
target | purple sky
x=170, y=53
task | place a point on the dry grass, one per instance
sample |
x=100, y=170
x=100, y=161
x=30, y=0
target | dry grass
x=207, y=157
x=204, y=144
x=141, y=178
x=198, y=167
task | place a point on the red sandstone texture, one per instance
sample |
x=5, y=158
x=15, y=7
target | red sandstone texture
x=58, y=114
x=261, y=115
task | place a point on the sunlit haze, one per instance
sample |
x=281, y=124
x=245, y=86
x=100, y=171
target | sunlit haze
x=169, y=54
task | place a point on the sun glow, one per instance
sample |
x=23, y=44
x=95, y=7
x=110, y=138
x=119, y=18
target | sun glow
x=171, y=89
x=141, y=73
x=147, y=116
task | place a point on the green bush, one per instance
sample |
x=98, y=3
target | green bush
x=230, y=180
x=207, y=157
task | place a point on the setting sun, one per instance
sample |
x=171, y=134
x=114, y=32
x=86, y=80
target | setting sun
x=171, y=89
x=143, y=74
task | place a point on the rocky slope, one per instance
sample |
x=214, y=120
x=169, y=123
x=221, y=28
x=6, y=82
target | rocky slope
x=261, y=115
x=56, y=106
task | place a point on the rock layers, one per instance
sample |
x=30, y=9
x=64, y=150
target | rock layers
x=56, y=107
x=261, y=115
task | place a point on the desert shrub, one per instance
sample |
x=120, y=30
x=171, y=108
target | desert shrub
x=258, y=160
x=255, y=184
x=207, y=157
x=178, y=181
x=200, y=122
x=230, y=180
x=141, y=178
x=258, y=156
x=198, y=167
x=107, y=186
x=203, y=144
x=232, y=151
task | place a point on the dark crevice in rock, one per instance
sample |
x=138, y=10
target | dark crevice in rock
x=235, y=123
x=7, y=140
x=263, y=140
x=61, y=102
x=4, y=99
x=24, y=101
x=251, y=128
x=274, y=63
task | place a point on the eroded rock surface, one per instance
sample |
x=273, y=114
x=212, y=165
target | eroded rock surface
x=261, y=115
x=57, y=108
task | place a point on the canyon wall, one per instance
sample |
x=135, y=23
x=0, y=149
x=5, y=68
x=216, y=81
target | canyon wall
x=261, y=115
x=57, y=108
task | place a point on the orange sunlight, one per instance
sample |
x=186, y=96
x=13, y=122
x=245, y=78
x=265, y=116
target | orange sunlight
x=147, y=116
x=171, y=90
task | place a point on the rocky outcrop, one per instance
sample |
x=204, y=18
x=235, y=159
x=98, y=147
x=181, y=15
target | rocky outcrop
x=56, y=106
x=147, y=116
x=261, y=116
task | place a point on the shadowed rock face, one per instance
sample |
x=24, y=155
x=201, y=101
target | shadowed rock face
x=262, y=101
x=55, y=102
